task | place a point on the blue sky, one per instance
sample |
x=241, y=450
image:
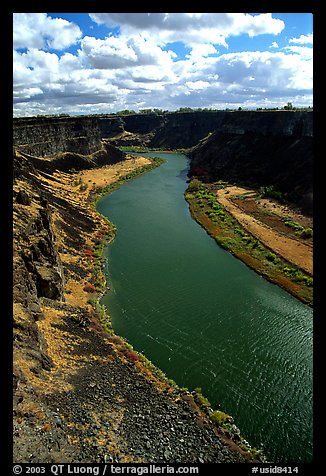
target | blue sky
x=88, y=63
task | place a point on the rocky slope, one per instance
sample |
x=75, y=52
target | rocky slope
x=80, y=393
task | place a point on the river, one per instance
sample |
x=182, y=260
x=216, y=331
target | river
x=205, y=318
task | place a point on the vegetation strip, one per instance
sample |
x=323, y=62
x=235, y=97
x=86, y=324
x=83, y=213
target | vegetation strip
x=229, y=234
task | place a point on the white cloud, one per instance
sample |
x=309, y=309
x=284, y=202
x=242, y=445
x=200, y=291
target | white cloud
x=132, y=70
x=303, y=39
x=27, y=93
x=197, y=85
x=38, y=30
x=122, y=52
x=201, y=50
x=304, y=52
x=191, y=28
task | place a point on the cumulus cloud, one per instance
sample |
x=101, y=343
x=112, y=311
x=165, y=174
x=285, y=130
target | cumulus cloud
x=303, y=39
x=38, y=30
x=114, y=53
x=138, y=66
x=191, y=28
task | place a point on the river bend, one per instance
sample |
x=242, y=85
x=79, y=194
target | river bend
x=205, y=318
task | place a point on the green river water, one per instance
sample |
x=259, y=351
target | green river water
x=205, y=318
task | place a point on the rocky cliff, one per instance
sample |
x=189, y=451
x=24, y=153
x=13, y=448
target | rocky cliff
x=46, y=137
x=186, y=129
x=267, y=149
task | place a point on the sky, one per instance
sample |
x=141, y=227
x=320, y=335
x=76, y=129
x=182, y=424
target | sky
x=101, y=63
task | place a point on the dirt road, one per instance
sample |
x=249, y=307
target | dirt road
x=292, y=249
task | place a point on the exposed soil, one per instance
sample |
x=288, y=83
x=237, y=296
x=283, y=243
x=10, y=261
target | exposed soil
x=263, y=219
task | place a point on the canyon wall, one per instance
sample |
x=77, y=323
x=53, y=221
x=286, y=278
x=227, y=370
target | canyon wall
x=267, y=150
x=258, y=148
x=254, y=148
x=46, y=136
x=186, y=129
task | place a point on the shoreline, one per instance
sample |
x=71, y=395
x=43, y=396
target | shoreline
x=84, y=400
x=246, y=240
x=225, y=425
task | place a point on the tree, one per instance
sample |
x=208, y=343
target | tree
x=289, y=106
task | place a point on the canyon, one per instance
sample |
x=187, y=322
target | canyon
x=255, y=148
x=70, y=402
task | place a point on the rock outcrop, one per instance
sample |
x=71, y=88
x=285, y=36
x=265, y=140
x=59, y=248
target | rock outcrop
x=37, y=269
x=271, y=150
x=46, y=137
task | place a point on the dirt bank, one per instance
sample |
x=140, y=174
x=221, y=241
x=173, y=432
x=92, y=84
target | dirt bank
x=263, y=219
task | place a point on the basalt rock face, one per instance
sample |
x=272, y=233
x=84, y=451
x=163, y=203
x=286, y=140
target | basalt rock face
x=69, y=143
x=37, y=270
x=46, y=137
x=270, y=149
x=186, y=129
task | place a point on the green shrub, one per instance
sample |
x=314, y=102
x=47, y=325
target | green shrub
x=297, y=275
x=194, y=185
x=272, y=257
x=305, y=233
x=83, y=187
x=220, y=418
x=270, y=192
x=200, y=399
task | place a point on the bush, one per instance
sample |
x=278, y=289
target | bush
x=270, y=192
x=272, y=257
x=133, y=356
x=89, y=288
x=200, y=399
x=194, y=185
x=89, y=253
x=305, y=233
x=220, y=418
x=83, y=187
